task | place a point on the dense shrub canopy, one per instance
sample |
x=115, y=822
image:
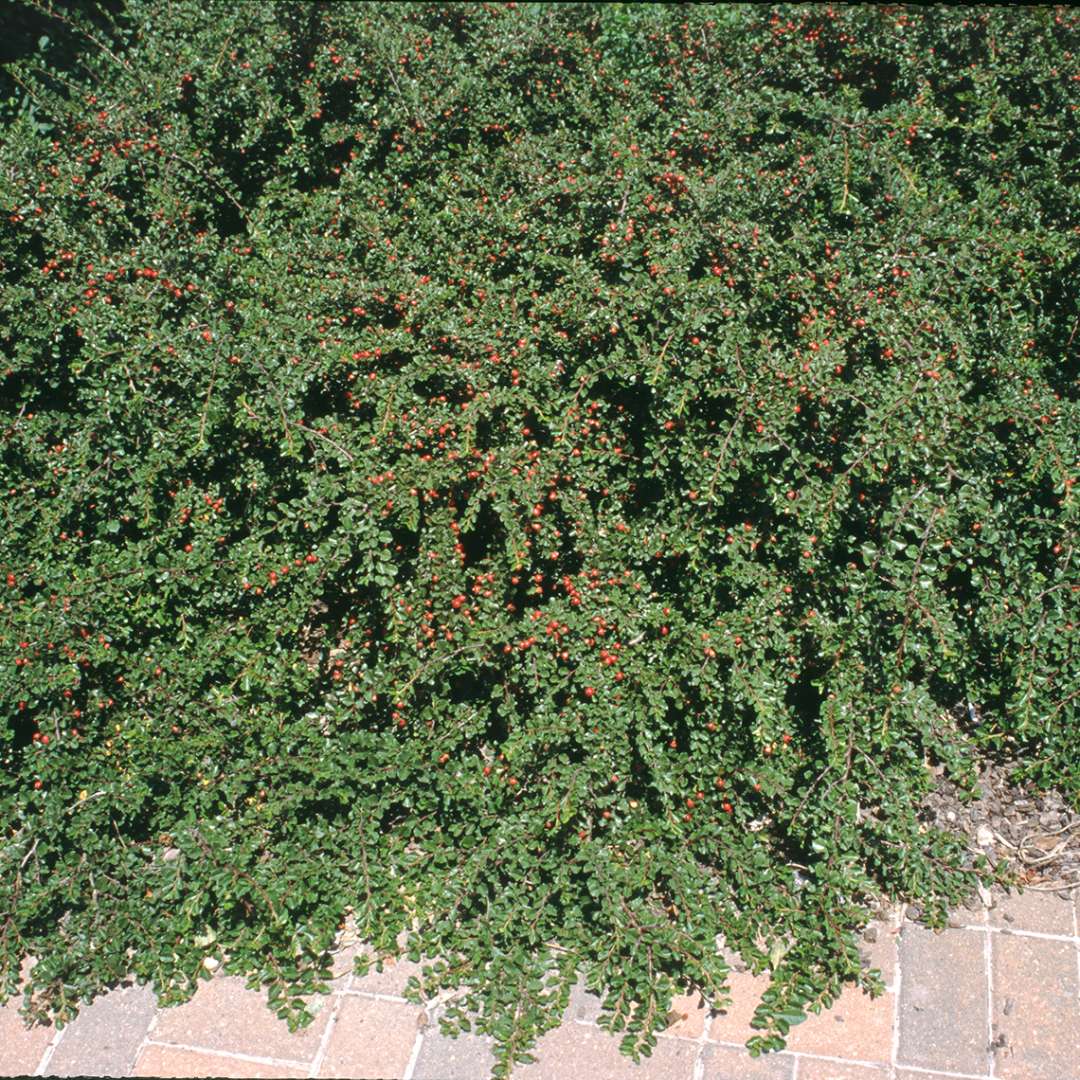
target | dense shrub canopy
x=540, y=477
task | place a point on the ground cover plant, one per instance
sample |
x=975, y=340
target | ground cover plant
x=549, y=480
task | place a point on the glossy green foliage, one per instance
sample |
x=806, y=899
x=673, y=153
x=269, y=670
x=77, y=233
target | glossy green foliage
x=540, y=477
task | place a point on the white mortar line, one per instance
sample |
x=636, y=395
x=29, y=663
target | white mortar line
x=1008, y=930
x=699, y=1057
x=374, y=996
x=46, y=1056
x=414, y=1056
x=150, y=1029
x=988, y=957
x=1076, y=943
x=282, y=1063
x=324, y=1042
x=895, y=1056
x=837, y=1060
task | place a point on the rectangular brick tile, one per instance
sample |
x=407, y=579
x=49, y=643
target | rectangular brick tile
x=818, y=1069
x=687, y=1015
x=727, y=1063
x=21, y=1048
x=225, y=1015
x=105, y=1037
x=157, y=1060
x=943, y=1000
x=573, y=1051
x=342, y=965
x=732, y=1025
x=468, y=1057
x=1045, y=913
x=390, y=981
x=584, y=1005
x=855, y=1027
x=881, y=952
x=1036, y=1008
x=371, y=1038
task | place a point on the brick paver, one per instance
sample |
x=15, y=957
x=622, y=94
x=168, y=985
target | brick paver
x=21, y=1048
x=224, y=1015
x=817, y=1069
x=468, y=1057
x=1044, y=913
x=371, y=1038
x=999, y=990
x=687, y=1015
x=921, y=1074
x=727, y=1063
x=1036, y=1015
x=156, y=1060
x=732, y=1025
x=584, y=1006
x=861, y=1025
x=578, y=1050
x=391, y=980
x=944, y=1000
x=105, y=1037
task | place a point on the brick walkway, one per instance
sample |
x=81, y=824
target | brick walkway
x=997, y=995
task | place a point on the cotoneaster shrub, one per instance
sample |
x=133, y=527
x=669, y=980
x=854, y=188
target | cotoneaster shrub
x=540, y=477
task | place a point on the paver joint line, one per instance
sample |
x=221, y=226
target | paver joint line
x=989, y=962
x=1008, y=931
x=410, y=1068
x=375, y=996
x=324, y=1042
x=46, y=1057
x=801, y=1061
x=281, y=1063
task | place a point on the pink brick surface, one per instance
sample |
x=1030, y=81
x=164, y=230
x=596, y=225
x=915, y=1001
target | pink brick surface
x=580, y=1052
x=1036, y=982
x=21, y=1047
x=725, y=1063
x=224, y=1015
x=733, y=1025
x=104, y=1039
x=1044, y=913
x=390, y=981
x=371, y=1038
x=175, y=1061
x=855, y=1027
x=688, y=1015
x=911, y=1074
x=817, y=1069
x=881, y=954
